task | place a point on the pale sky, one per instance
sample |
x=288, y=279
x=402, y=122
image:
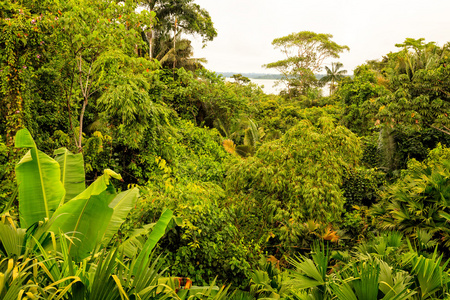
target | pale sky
x=246, y=28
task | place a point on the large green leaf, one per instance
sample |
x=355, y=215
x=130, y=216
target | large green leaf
x=72, y=172
x=135, y=241
x=121, y=204
x=430, y=274
x=12, y=239
x=310, y=273
x=38, y=177
x=158, y=232
x=102, y=283
x=343, y=291
x=394, y=285
x=86, y=217
x=366, y=280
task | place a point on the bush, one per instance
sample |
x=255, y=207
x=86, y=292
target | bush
x=418, y=200
x=291, y=181
x=205, y=243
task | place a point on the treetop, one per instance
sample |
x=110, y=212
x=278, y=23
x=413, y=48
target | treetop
x=319, y=41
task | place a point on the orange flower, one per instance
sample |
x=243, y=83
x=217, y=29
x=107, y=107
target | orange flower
x=229, y=146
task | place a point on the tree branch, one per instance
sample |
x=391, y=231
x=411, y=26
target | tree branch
x=442, y=130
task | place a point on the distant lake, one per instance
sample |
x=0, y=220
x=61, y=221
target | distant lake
x=267, y=85
x=269, y=88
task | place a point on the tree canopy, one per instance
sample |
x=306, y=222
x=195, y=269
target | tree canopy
x=305, y=54
x=176, y=16
x=418, y=78
x=344, y=196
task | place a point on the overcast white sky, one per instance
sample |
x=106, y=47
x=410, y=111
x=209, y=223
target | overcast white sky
x=371, y=29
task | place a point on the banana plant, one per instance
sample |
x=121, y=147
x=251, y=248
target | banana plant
x=89, y=218
x=72, y=172
x=17, y=242
x=105, y=275
x=41, y=191
x=74, y=227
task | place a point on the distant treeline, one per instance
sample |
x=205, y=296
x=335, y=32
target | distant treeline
x=259, y=75
x=252, y=75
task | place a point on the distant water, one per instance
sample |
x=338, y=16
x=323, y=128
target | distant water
x=268, y=86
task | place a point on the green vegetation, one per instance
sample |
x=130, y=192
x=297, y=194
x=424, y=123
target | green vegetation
x=304, y=52
x=224, y=192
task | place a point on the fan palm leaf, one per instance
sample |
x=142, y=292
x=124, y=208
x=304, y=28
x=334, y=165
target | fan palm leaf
x=334, y=75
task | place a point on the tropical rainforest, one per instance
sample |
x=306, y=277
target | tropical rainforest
x=129, y=171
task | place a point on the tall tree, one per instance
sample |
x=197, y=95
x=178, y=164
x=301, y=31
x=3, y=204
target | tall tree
x=334, y=75
x=189, y=18
x=24, y=31
x=297, y=177
x=305, y=53
x=93, y=30
x=62, y=54
x=419, y=80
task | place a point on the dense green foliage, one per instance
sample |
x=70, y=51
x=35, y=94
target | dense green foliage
x=417, y=202
x=287, y=193
x=225, y=192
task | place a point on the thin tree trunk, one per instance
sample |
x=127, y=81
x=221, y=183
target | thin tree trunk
x=85, y=102
x=69, y=97
x=174, y=45
x=150, y=43
x=85, y=90
x=150, y=36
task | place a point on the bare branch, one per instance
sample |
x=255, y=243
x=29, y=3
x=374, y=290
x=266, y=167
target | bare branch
x=442, y=130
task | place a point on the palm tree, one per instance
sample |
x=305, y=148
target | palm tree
x=333, y=75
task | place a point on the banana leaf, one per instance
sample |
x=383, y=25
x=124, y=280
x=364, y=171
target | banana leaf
x=85, y=218
x=121, y=204
x=135, y=241
x=72, y=172
x=157, y=233
x=38, y=178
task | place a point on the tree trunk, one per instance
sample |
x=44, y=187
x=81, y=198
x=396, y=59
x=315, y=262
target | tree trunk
x=174, y=45
x=14, y=115
x=85, y=91
x=150, y=35
x=150, y=43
